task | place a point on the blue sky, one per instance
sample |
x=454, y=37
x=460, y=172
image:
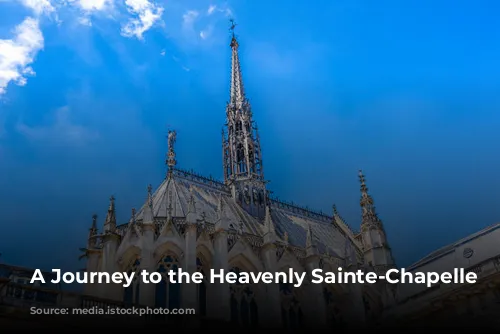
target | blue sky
x=407, y=90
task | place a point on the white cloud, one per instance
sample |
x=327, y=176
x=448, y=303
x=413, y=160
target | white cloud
x=94, y=5
x=163, y=53
x=61, y=131
x=189, y=18
x=39, y=6
x=147, y=14
x=211, y=9
x=18, y=53
x=85, y=20
x=204, y=34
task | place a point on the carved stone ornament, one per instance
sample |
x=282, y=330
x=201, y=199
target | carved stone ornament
x=468, y=252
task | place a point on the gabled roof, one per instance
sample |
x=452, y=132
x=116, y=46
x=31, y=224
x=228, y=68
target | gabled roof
x=451, y=247
x=173, y=195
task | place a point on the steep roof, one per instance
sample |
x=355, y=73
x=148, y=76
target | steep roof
x=172, y=196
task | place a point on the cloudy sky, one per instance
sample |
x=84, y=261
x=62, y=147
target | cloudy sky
x=406, y=90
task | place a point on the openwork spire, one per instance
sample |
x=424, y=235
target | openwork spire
x=241, y=146
x=369, y=215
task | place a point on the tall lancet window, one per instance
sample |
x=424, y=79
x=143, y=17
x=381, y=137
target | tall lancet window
x=291, y=311
x=244, y=310
x=333, y=312
x=240, y=157
x=131, y=293
x=168, y=294
x=202, y=289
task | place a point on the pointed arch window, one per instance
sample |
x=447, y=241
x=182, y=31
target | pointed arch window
x=244, y=309
x=168, y=294
x=252, y=159
x=131, y=293
x=240, y=158
x=202, y=289
x=334, y=319
x=291, y=311
x=238, y=126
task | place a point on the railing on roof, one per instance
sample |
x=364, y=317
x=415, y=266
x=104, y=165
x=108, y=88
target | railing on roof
x=349, y=227
x=303, y=210
x=193, y=176
x=307, y=212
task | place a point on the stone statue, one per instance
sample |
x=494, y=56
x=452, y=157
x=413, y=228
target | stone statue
x=172, y=135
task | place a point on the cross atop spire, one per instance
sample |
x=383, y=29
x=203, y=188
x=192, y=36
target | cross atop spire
x=233, y=25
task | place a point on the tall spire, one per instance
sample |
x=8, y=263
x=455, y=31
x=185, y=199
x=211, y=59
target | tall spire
x=242, y=158
x=237, y=93
x=242, y=154
x=369, y=215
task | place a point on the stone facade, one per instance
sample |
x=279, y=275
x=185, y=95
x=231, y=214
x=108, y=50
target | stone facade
x=197, y=223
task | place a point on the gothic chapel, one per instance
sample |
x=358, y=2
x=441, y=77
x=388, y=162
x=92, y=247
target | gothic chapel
x=197, y=223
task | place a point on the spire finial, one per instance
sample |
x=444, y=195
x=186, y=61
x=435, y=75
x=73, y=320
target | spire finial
x=110, y=223
x=150, y=195
x=369, y=215
x=233, y=25
x=148, y=216
x=362, y=180
x=234, y=42
x=171, y=162
x=91, y=241
x=133, y=216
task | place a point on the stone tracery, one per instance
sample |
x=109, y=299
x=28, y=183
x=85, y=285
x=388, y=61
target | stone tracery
x=244, y=310
x=167, y=293
x=291, y=310
x=132, y=292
